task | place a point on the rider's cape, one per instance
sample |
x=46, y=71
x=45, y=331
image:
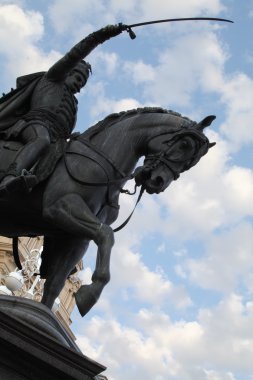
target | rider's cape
x=13, y=106
x=16, y=103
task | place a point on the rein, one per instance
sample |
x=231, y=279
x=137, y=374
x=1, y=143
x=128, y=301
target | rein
x=108, y=159
x=106, y=183
x=130, y=216
x=156, y=159
x=102, y=154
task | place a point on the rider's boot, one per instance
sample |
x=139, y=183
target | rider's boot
x=36, y=141
x=12, y=184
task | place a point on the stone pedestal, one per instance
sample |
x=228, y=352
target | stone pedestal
x=33, y=345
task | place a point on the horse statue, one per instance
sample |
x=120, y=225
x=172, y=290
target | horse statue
x=78, y=200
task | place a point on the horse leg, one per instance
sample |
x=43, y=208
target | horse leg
x=88, y=295
x=72, y=214
x=60, y=255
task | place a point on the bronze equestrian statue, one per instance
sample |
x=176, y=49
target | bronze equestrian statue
x=68, y=189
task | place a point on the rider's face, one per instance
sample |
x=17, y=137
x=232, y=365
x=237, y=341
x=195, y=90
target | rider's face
x=75, y=81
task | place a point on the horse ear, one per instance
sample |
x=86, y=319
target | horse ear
x=205, y=122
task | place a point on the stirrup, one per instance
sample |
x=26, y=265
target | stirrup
x=23, y=183
x=29, y=179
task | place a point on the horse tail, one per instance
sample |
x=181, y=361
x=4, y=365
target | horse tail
x=16, y=253
x=48, y=250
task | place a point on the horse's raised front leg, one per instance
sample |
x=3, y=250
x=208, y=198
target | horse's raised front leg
x=71, y=214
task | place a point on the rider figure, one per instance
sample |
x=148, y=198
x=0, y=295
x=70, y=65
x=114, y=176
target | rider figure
x=52, y=109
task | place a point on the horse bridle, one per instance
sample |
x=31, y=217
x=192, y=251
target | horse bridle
x=162, y=157
x=156, y=159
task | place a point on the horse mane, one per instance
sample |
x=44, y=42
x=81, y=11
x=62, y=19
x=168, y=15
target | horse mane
x=116, y=117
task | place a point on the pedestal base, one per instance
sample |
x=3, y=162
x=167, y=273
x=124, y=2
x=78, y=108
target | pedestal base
x=33, y=345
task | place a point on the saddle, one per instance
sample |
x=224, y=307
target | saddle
x=39, y=173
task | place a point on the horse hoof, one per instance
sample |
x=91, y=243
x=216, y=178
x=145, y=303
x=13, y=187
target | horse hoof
x=86, y=298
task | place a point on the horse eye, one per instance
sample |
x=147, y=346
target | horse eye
x=185, y=144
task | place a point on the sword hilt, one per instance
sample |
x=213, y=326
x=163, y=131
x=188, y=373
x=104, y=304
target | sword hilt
x=131, y=33
x=129, y=30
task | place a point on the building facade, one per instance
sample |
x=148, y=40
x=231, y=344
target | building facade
x=29, y=249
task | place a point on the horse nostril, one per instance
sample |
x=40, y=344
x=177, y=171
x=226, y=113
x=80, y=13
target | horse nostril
x=159, y=181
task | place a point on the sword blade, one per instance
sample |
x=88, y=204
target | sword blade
x=181, y=19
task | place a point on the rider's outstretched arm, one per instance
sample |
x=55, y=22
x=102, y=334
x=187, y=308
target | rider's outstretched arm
x=62, y=67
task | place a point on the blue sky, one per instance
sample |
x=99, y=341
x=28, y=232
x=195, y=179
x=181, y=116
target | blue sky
x=180, y=302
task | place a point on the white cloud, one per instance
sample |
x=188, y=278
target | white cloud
x=249, y=56
x=150, y=9
x=134, y=281
x=228, y=261
x=13, y=18
x=231, y=320
x=140, y=71
x=152, y=287
x=85, y=275
x=18, y=25
x=214, y=375
x=216, y=346
x=19, y=33
x=161, y=248
x=237, y=94
x=129, y=347
x=65, y=14
x=109, y=62
x=103, y=105
x=175, y=78
x=251, y=9
x=239, y=185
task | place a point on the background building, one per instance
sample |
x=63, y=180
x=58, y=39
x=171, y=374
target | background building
x=29, y=249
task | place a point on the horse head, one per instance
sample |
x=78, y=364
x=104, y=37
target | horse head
x=170, y=154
